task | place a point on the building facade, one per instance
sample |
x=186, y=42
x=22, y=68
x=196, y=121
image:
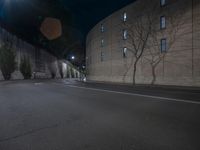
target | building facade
x=43, y=64
x=159, y=40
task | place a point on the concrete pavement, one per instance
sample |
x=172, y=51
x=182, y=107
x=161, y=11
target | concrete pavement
x=56, y=115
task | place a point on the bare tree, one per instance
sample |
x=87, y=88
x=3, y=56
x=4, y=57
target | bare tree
x=139, y=30
x=154, y=54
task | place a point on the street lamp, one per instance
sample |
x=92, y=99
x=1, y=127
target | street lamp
x=73, y=57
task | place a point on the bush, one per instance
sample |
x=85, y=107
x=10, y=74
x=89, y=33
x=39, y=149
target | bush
x=52, y=69
x=72, y=73
x=68, y=72
x=53, y=75
x=25, y=68
x=60, y=67
x=7, y=61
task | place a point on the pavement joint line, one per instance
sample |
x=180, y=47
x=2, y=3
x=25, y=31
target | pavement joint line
x=28, y=133
x=134, y=94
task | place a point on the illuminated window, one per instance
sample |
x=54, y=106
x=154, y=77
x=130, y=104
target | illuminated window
x=102, y=42
x=125, y=17
x=162, y=2
x=163, y=45
x=124, y=52
x=162, y=22
x=125, y=34
x=102, y=28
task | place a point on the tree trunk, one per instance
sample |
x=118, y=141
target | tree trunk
x=7, y=76
x=127, y=70
x=134, y=72
x=154, y=75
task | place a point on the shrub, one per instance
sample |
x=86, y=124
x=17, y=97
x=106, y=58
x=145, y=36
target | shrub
x=72, y=73
x=52, y=69
x=7, y=61
x=60, y=67
x=68, y=72
x=25, y=68
x=53, y=75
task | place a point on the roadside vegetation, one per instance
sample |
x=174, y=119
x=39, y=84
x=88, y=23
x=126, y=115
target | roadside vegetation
x=7, y=61
x=144, y=37
x=25, y=68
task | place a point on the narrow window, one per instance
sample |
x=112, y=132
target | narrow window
x=124, y=52
x=102, y=28
x=163, y=45
x=102, y=56
x=125, y=34
x=125, y=17
x=102, y=42
x=162, y=22
x=162, y=2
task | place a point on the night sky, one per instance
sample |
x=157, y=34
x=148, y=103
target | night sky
x=24, y=17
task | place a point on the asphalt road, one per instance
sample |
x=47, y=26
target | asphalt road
x=57, y=115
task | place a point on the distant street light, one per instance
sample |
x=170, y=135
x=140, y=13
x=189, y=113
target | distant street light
x=73, y=57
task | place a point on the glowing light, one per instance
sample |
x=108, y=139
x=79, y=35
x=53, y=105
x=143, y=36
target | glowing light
x=73, y=57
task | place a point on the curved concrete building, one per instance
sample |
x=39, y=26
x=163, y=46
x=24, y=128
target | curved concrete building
x=170, y=55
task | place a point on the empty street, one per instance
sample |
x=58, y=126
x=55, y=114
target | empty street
x=69, y=115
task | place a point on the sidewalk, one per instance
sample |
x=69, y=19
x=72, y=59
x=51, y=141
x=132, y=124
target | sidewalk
x=172, y=87
x=175, y=92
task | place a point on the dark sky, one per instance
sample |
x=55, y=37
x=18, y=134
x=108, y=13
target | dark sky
x=24, y=17
x=89, y=12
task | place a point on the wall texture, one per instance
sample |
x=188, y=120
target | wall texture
x=43, y=64
x=180, y=65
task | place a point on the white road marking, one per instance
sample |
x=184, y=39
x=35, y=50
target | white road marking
x=38, y=83
x=140, y=95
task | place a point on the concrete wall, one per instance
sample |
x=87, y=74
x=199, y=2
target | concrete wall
x=180, y=66
x=42, y=62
